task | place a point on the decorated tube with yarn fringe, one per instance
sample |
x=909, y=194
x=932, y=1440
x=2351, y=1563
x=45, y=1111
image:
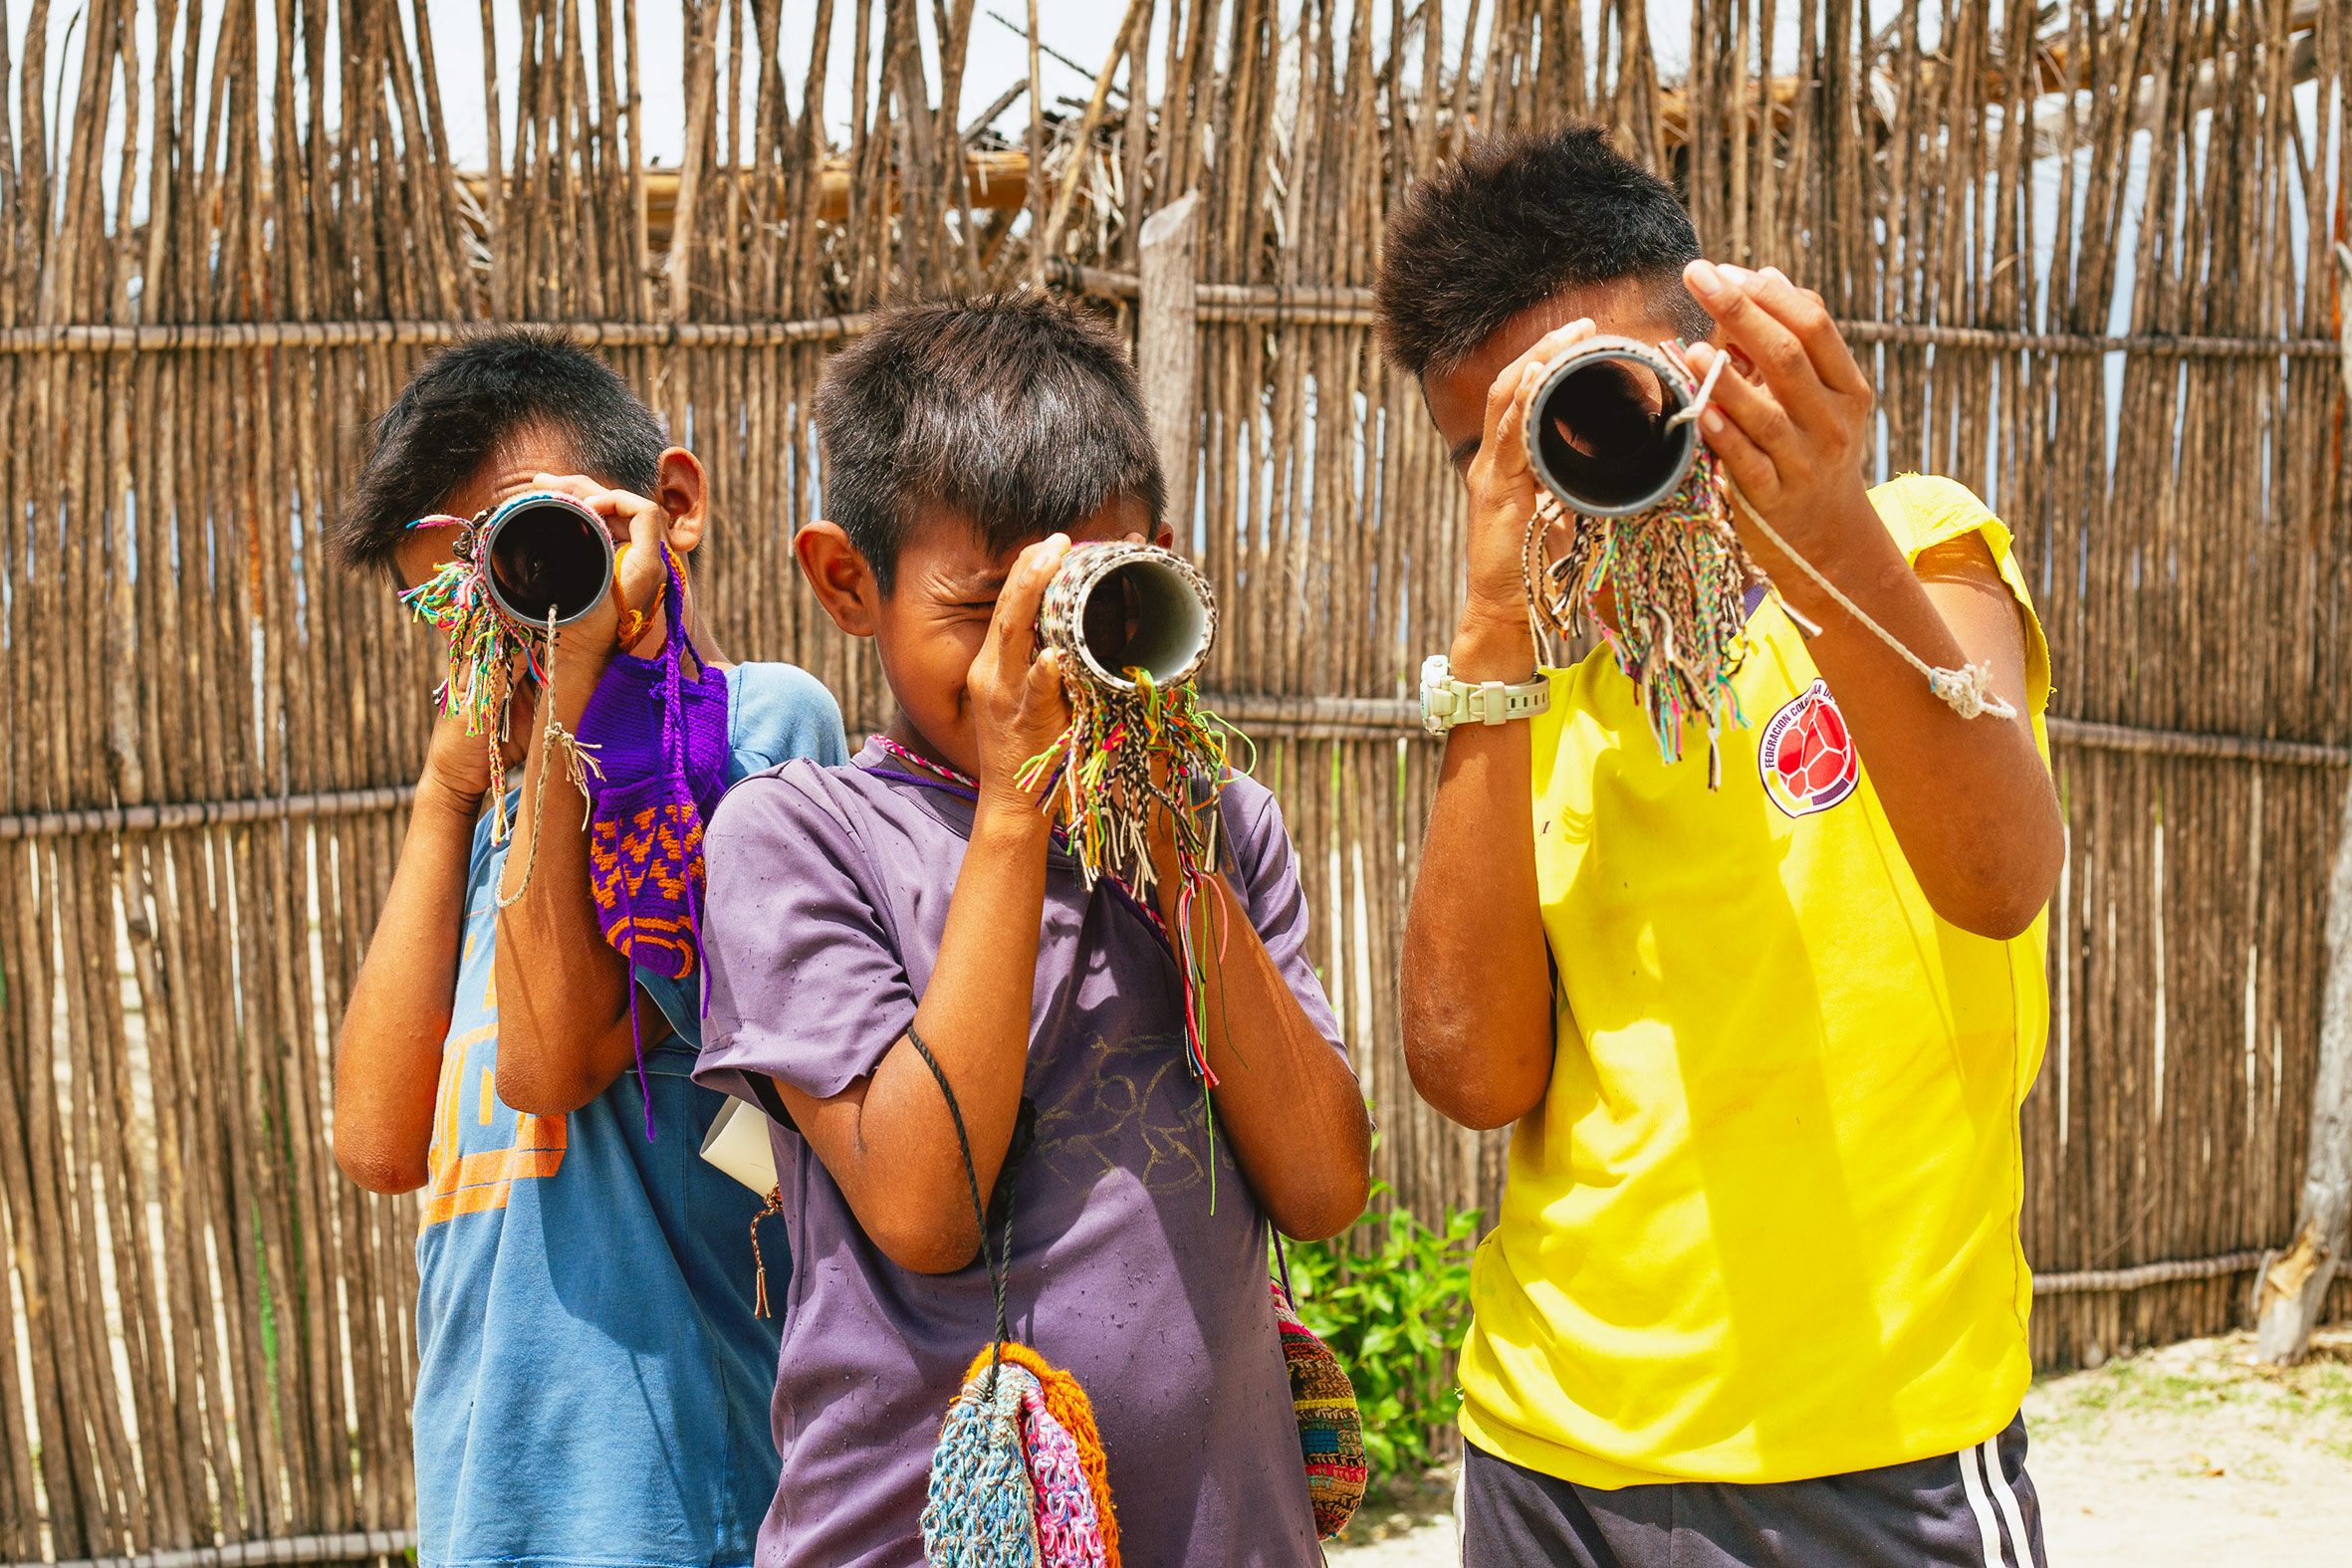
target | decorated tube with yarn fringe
x=518, y=571
x=1132, y=626
x=1652, y=521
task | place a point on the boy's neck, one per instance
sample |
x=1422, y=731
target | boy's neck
x=901, y=732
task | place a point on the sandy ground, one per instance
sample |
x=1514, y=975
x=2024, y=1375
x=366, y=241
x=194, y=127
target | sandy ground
x=2194, y=1454
x=2187, y=1455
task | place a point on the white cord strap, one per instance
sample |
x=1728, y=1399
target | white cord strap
x=1966, y=691
x=555, y=740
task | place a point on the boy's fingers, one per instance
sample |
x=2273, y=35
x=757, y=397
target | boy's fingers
x=1505, y=446
x=1755, y=412
x=1786, y=368
x=579, y=487
x=1044, y=677
x=1509, y=441
x=647, y=525
x=1749, y=464
x=1559, y=340
x=641, y=572
x=1507, y=410
x=1807, y=315
x=1014, y=626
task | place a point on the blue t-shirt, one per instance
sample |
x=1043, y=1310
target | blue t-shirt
x=591, y=1386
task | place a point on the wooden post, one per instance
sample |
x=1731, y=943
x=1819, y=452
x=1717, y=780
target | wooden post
x=1167, y=347
x=1037, y=161
x=2294, y=1283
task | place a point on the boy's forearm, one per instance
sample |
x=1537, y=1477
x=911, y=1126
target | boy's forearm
x=1293, y=1112
x=1969, y=801
x=1476, y=987
x=388, y=1057
x=901, y=1164
x=564, y=991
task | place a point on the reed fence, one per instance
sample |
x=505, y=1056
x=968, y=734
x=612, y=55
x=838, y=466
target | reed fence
x=2082, y=249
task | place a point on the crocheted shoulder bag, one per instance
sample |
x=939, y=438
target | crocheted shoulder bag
x=1018, y=1479
x=1330, y=1427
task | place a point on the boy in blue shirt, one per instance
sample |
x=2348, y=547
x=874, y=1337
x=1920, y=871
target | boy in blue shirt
x=592, y=1381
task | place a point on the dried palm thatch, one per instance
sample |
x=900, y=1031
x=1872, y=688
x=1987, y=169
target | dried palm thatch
x=208, y=283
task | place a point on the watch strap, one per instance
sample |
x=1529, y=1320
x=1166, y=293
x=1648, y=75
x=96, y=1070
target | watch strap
x=1448, y=703
x=1498, y=702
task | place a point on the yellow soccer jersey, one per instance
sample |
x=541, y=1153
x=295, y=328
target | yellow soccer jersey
x=1764, y=1224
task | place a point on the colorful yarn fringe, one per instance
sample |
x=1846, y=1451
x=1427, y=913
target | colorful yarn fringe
x=1124, y=752
x=1136, y=747
x=482, y=648
x=1679, y=575
x=1125, y=755
x=1330, y=1426
x=482, y=641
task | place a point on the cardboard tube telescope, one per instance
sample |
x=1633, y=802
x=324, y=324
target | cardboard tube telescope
x=1120, y=606
x=1598, y=441
x=543, y=551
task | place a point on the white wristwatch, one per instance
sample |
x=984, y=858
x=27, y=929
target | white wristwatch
x=1447, y=702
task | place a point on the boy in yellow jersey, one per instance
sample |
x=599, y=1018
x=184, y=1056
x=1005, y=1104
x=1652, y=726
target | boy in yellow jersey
x=1756, y=1294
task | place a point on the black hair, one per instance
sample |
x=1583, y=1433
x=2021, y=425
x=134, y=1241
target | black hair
x=1514, y=221
x=467, y=401
x=1012, y=408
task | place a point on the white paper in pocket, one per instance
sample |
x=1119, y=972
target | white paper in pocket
x=738, y=1145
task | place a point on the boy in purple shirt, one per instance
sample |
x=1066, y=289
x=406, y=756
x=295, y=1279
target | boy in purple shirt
x=920, y=892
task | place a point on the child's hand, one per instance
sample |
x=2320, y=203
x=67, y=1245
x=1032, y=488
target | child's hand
x=1795, y=436
x=1159, y=832
x=640, y=578
x=1017, y=708
x=457, y=764
x=1502, y=501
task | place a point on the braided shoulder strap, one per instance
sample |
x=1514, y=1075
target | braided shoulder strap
x=1000, y=1259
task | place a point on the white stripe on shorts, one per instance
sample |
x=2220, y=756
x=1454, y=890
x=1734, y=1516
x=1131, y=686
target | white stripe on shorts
x=1972, y=1481
x=2006, y=1496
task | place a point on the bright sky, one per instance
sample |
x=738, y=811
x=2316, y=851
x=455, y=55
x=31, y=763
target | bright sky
x=998, y=56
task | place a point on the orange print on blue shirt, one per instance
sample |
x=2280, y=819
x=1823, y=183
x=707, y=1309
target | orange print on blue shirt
x=474, y=1183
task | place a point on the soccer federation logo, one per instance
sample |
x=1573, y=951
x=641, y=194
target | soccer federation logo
x=1806, y=755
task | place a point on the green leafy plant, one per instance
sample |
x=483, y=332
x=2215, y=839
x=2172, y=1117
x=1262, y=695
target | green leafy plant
x=1391, y=1297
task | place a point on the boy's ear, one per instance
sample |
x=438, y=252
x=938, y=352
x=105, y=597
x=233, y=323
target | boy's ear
x=682, y=489
x=842, y=581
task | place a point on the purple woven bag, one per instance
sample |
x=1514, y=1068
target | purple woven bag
x=660, y=747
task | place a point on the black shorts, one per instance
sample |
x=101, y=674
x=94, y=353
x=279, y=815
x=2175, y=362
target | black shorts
x=1970, y=1509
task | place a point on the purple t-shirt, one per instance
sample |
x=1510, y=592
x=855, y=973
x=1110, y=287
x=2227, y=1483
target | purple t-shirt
x=828, y=895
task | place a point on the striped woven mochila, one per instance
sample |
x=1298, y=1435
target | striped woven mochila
x=1330, y=1428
